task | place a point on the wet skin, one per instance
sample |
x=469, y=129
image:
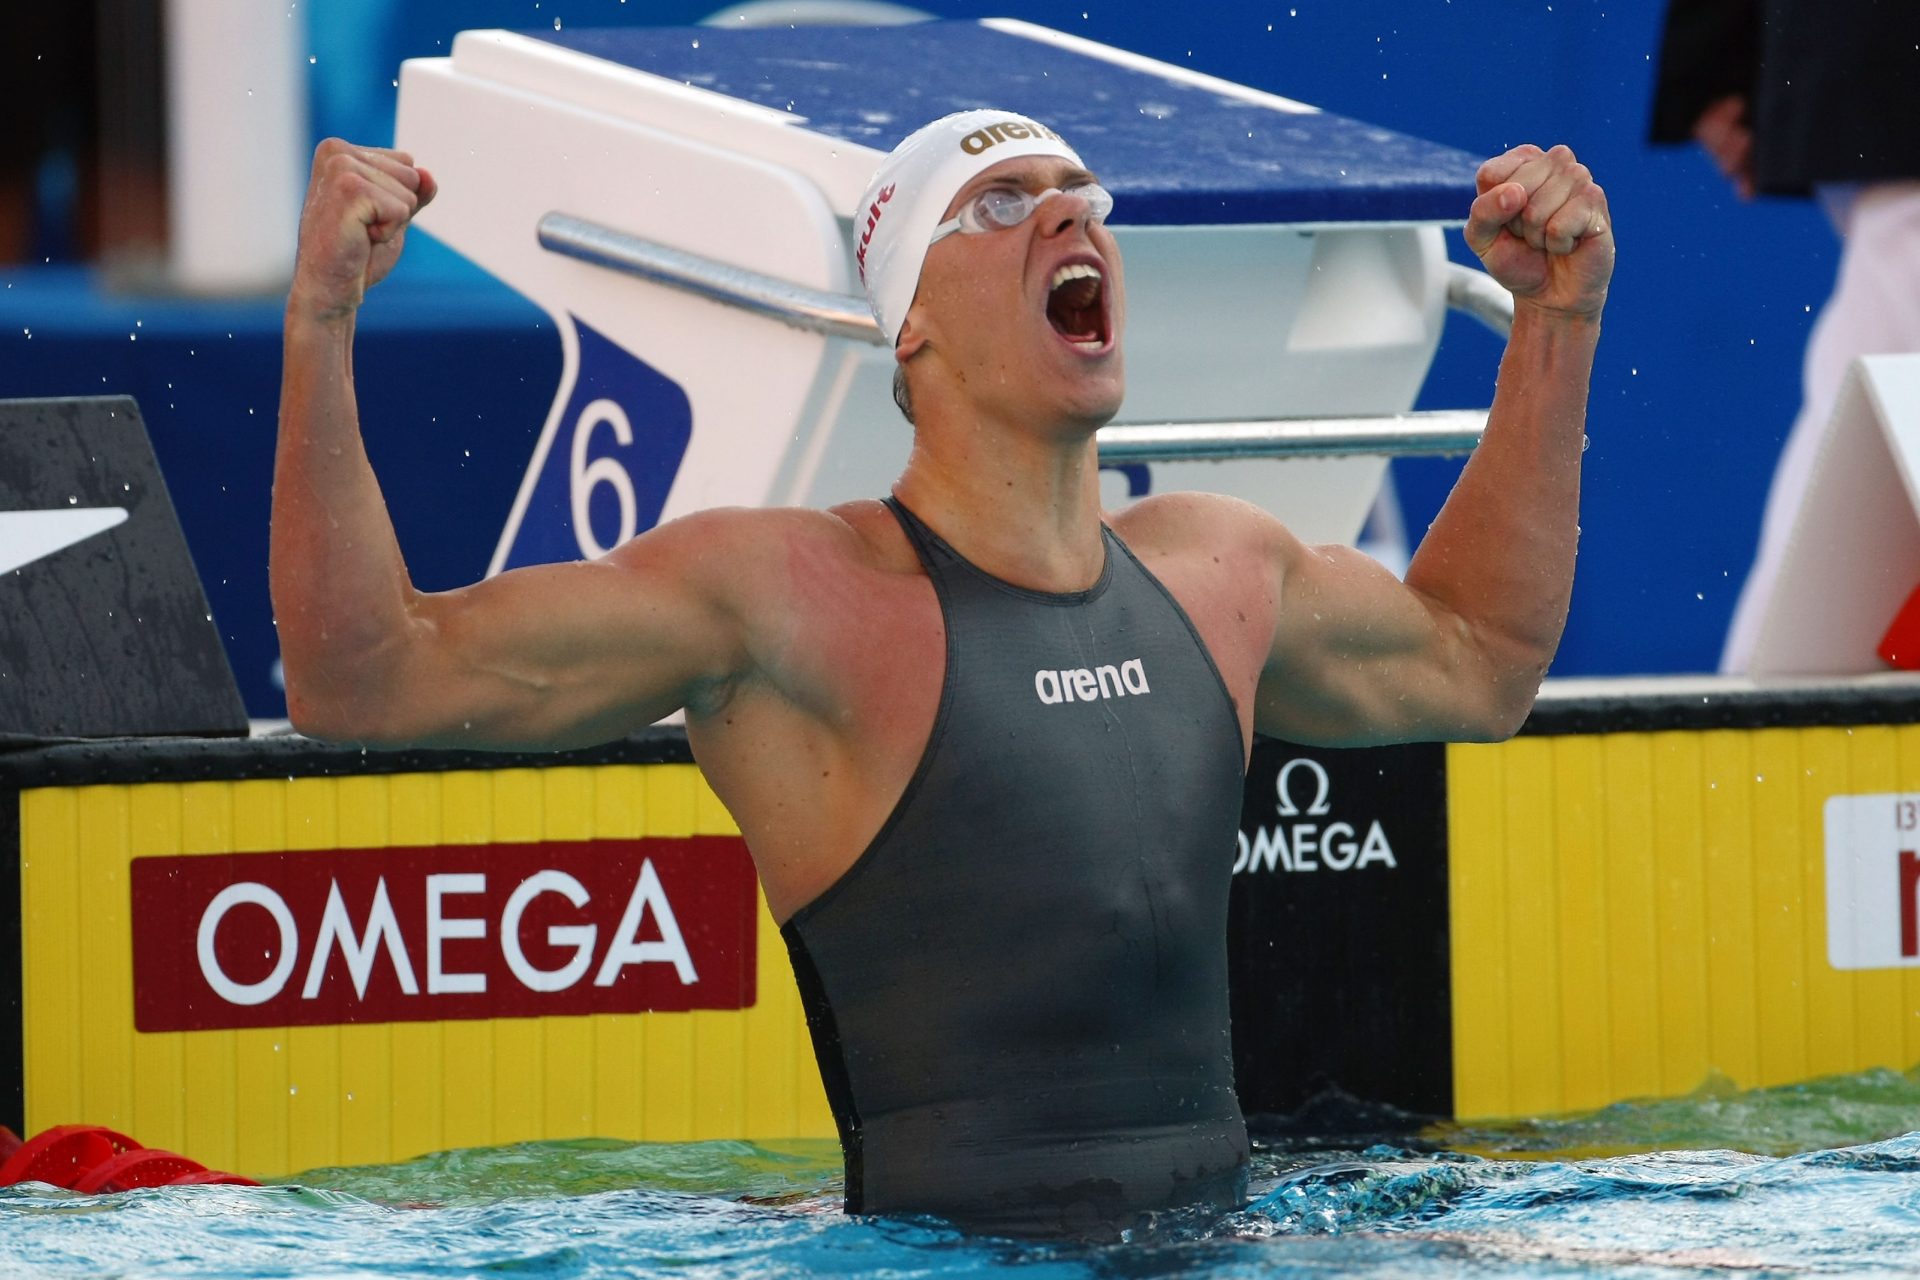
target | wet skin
x=807, y=647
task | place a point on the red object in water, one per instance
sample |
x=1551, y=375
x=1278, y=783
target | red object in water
x=1900, y=647
x=89, y=1158
x=61, y=1155
x=144, y=1167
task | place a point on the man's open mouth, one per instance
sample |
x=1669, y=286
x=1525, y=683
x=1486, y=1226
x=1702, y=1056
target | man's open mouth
x=1076, y=305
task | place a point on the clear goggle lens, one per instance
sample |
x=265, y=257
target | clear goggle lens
x=998, y=208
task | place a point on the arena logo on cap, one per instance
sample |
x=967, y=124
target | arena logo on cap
x=874, y=211
x=994, y=134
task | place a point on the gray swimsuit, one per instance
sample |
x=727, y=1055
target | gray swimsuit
x=1018, y=994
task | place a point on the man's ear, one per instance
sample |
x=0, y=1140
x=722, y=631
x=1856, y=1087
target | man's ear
x=911, y=338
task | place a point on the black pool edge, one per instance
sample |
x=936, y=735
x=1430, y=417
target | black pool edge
x=1564, y=708
x=1660, y=704
x=13, y=1048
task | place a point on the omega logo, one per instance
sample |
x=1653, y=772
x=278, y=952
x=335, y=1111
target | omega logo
x=358, y=947
x=1310, y=846
x=1281, y=786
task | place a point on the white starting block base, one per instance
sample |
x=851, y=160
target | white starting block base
x=1854, y=554
x=671, y=403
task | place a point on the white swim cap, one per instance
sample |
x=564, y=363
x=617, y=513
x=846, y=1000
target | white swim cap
x=911, y=189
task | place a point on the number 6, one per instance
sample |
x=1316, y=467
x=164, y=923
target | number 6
x=584, y=476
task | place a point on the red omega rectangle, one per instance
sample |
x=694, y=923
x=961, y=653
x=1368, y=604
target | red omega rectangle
x=437, y=932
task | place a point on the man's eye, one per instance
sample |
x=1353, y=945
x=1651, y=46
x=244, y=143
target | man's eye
x=992, y=203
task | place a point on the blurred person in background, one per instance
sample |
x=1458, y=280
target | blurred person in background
x=48, y=100
x=83, y=147
x=1820, y=100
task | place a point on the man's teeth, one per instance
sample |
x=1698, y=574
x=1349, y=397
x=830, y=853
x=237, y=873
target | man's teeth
x=1074, y=271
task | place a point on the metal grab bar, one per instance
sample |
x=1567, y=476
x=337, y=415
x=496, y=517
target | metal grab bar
x=839, y=315
x=844, y=315
x=1480, y=296
x=1445, y=431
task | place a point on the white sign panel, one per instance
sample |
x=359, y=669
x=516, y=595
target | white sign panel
x=1873, y=873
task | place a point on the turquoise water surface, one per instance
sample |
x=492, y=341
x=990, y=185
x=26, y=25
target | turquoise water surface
x=1818, y=1179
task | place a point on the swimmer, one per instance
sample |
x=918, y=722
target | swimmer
x=985, y=742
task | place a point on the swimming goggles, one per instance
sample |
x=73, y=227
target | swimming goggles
x=998, y=208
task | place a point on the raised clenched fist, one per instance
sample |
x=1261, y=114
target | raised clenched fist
x=1542, y=229
x=359, y=202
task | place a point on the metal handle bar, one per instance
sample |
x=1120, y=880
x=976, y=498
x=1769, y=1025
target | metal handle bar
x=845, y=316
x=1438, y=432
x=840, y=315
x=1480, y=296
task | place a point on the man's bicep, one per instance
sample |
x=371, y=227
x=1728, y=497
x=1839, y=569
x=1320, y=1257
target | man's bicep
x=569, y=654
x=1360, y=657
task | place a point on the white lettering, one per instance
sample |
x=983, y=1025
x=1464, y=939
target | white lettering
x=1375, y=848
x=1270, y=850
x=1338, y=852
x=1304, y=847
x=1078, y=684
x=578, y=936
x=382, y=929
x=440, y=928
x=628, y=949
x=1285, y=848
x=247, y=993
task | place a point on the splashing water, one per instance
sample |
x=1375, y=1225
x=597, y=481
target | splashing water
x=1524, y=1199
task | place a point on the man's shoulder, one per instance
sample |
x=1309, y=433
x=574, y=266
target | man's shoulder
x=847, y=529
x=758, y=553
x=1187, y=522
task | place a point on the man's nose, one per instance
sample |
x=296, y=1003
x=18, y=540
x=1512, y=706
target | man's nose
x=1062, y=213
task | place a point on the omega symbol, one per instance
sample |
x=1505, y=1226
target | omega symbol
x=1284, y=788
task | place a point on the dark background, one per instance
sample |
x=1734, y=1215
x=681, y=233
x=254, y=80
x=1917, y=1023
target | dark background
x=1341, y=981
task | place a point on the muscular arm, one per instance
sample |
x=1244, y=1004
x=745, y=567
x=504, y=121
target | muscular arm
x=1458, y=650
x=552, y=656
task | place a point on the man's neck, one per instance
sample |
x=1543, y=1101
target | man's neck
x=1019, y=505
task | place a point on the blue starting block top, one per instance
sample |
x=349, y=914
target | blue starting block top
x=1173, y=152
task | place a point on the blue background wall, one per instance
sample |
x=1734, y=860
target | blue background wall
x=1697, y=380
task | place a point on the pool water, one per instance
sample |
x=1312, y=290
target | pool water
x=1821, y=1178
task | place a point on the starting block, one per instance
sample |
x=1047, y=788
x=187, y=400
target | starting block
x=1282, y=262
x=1853, y=555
